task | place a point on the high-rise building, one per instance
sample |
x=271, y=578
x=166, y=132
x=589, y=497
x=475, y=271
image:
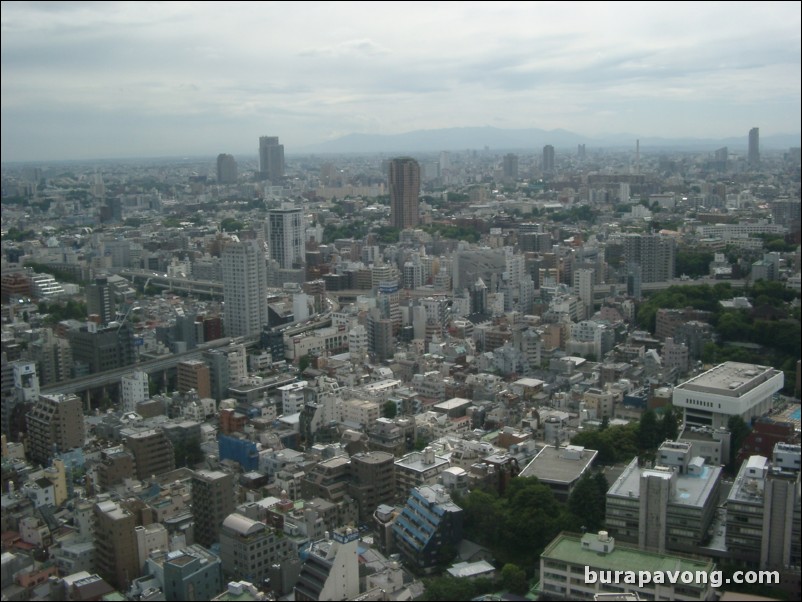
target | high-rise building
x=271, y=158
x=53, y=356
x=226, y=169
x=583, y=287
x=194, y=374
x=244, y=288
x=372, y=481
x=429, y=524
x=510, y=166
x=721, y=157
x=654, y=253
x=116, y=551
x=55, y=425
x=99, y=300
x=754, y=146
x=404, y=187
x=152, y=450
x=331, y=568
x=285, y=236
x=670, y=506
x=212, y=502
x=191, y=573
x=548, y=159
x=134, y=389
x=763, y=510
x=240, y=538
x=97, y=349
x=380, y=336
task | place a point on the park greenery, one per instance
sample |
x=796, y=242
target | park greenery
x=620, y=443
x=16, y=235
x=512, y=579
x=768, y=334
x=187, y=452
x=56, y=312
x=452, y=232
x=517, y=524
x=62, y=275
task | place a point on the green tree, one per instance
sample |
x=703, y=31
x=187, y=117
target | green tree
x=452, y=588
x=587, y=502
x=738, y=432
x=389, y=409
x=304, y=362
x=669, y=425
x=513, y=579
x=693, y=263
x=229, y=224
x=188, y=452
x=648, y=431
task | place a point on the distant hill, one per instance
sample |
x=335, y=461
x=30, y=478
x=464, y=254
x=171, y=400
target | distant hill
x=497, y=139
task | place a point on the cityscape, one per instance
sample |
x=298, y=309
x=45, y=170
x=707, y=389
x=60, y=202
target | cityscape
x=422, y=359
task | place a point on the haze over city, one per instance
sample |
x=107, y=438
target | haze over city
x=109, y=80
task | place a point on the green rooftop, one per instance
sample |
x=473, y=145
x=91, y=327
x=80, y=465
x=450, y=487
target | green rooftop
x=567, y=547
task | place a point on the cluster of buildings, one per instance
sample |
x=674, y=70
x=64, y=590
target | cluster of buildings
x=284, y=377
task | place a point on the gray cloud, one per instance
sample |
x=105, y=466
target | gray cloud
x=130, y=74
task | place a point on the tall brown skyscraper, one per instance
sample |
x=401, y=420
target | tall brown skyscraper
x=55, y=424
x=754, y=146
x=548, y=159
x=212, y=501
x=117, y=558
x=404, y=186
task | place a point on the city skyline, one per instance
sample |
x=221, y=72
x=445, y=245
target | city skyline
x=110, y=81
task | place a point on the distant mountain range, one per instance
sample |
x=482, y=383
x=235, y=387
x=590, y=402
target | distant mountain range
x=456, y=139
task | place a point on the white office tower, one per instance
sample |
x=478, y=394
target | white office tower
x=300, y=307
x=286, y=234
x=26, y=382
x=134, y=389
x=583, y=288
x=358, y=342
x=244, y=288
x=623, y=192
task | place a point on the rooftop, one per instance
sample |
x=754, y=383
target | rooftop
x=567, y=547
x=559, y=465
x=471, y=569
x=691, y=489
x=414, y=462
x=452, y=404
x=731, y=379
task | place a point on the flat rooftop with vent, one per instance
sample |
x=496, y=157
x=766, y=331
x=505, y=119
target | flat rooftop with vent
x=560, y=468
x=729, y=389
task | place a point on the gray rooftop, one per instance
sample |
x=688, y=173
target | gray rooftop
x=731, y=379
x=691, y=490
x=563, y=465
x=414, y=462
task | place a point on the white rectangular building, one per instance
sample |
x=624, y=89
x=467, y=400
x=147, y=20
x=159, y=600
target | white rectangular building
x=729, y=389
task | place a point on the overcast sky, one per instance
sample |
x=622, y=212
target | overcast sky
x=116, y=79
